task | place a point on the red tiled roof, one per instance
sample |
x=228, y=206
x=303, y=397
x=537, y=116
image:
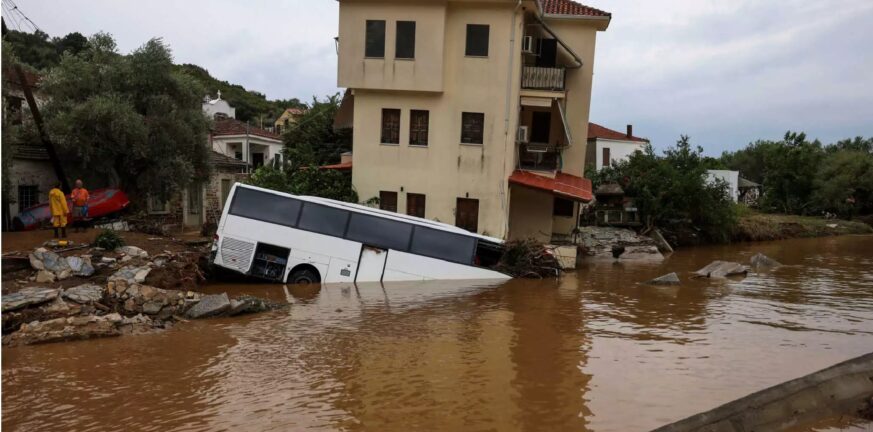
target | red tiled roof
x=569, y=7
x=565, y=185
x=229, y=126
x=597, y=131
x=295, y=111
x=344, y=166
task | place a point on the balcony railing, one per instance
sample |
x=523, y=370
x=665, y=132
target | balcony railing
x=538, y=157
x=542, y=78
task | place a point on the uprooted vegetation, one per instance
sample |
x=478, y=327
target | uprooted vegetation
x=528, y=259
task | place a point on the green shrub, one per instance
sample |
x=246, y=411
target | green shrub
x=108, y=240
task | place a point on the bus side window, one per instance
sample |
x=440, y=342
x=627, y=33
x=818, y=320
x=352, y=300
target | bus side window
x=323, y=219
x=443, y=245
x=265, y=207
x=375, y=231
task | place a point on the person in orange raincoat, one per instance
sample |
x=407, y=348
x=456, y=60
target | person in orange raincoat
x=80, y=206
x=59, y=209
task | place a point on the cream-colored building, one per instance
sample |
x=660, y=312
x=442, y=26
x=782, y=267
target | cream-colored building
x=289, y=116
x=472, y=112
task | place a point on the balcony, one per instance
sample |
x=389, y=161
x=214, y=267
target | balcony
x=542, y=78
x=538, y=157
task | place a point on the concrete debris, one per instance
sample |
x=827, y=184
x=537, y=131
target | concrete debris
x=28, y=297
x=210, y=305
x=114, y=226
x=722, y=269
x=132, y=251
x=667, y=279
x=599, y=242
x=85, y=293
x=68, y=328
x=108, y=260
x=761, y=261
x=131, y=274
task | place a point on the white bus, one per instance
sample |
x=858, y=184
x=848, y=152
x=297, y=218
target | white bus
x=298, y=239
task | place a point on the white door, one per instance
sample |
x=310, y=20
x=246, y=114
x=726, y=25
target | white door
x=371, y=264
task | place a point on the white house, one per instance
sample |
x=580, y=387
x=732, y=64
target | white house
x=732, y=178
x=250, y=144
x=606, y=146
x=218, y=107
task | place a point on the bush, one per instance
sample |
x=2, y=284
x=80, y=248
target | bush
x=109, y=240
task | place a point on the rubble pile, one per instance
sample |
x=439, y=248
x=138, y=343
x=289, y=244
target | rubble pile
x=602, y=242
x=125, y=301
x=528, y=259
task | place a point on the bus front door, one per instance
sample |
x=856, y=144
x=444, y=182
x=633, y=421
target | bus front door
x=371, y=264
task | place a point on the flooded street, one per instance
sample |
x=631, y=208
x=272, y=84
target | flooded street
x=593, y=351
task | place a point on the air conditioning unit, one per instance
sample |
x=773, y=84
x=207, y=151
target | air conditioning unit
x=522, y=136
x=527, y=45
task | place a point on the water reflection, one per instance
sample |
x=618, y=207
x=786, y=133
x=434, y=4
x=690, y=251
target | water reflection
x=596, y=350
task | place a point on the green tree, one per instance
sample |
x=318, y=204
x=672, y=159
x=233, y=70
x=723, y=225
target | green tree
x=674, y=189
x=790, y=172
x=844, y=183
x=131, y=120
x=313, y=139
x=306, y=180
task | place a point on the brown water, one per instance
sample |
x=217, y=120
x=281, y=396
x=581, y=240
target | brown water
x=594, y=351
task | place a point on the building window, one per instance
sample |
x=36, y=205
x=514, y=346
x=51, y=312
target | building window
x=28, y=196
x=477, y=40
x=472, y=125
x=388, y=201
x=404, y=47
x=375, y=39
x=415, y=204
x=418, y=125
x=257, y=160
x=390, y=126
x=158, y=206
x=606, y=159
x=467, y=214
x=563, y=207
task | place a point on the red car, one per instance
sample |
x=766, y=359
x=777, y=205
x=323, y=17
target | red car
x=102, y=202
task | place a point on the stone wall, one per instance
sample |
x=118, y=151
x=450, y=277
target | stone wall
x=25, y=172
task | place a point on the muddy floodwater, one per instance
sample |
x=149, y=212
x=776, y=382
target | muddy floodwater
x=594, y=351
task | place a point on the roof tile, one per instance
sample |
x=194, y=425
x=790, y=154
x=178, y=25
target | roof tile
x=597, y=131
x=230, y=126
x=569, y=7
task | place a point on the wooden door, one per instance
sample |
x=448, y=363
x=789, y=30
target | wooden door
x=415, y=204
x=388, y=201
x=467, y=214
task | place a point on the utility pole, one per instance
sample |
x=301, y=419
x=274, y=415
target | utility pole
x=43, y=136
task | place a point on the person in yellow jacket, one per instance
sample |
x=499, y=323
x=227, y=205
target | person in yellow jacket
x=59, y=209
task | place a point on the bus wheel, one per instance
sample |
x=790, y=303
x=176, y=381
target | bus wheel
x=304, y=276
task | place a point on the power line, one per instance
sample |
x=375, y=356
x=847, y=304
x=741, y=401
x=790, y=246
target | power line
x=26, y=18
x=11, y=16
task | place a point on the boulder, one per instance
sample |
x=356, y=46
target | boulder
x=36, y=262
x=54, y=262
x=133, y=251
x=722, y=269
x=45, y=276
x=80, y=266
x=28, y=297
x=761, y=261
x=248, y=304
x=667, y=279
x=83, y=294
x=141, y=275
x=210, y=305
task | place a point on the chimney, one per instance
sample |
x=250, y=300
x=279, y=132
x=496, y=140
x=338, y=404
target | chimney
x=630, y=131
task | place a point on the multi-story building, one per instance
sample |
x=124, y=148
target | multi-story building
x=472, y=112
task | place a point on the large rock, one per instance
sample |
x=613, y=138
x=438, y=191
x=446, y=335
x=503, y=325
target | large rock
x=68, y=328
x=80, y=266
x=54, y=262
x=761, y=261
x=133, y=251
x=131, y=274
x=27, y=297
x=45, y=276
x=722, y=269
x=210, y=305
x=667, y=279
x=248, y=304
x=599, y=242
x=84, y=294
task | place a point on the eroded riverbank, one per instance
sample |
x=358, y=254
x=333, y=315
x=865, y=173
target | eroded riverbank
x=580, y=353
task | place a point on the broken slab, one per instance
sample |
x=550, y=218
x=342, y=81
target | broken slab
x=28, y=297
x=85, y=293
x=761, y=261
x=667, y=279
x=210, y=305
x=80, y=266
x=133, y=251
x=68, y=328
x=722, y=269
x=45, y=276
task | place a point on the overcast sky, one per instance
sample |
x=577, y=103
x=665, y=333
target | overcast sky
x=724, y=72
